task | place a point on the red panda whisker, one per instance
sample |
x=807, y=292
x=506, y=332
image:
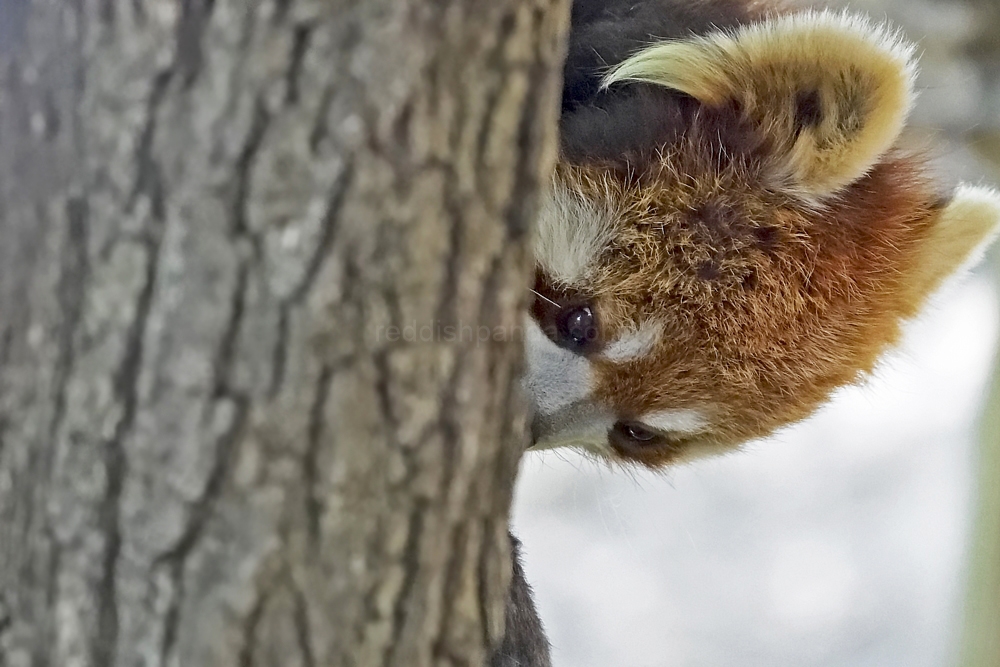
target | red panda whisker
x=545, y=298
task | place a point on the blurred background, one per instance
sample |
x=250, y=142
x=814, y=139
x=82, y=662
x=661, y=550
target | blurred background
x=861, y=537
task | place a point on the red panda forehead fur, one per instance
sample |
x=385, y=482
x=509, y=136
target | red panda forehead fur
x=765, y=304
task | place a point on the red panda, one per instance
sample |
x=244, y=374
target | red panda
x=733, y=231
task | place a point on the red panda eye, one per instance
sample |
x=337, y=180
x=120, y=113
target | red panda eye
x=633, y=439
x=577, y=328
x=635, y=442
x=567, y=316
x=637, y=432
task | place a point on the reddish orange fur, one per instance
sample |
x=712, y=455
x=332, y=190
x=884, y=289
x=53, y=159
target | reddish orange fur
x=767, y=304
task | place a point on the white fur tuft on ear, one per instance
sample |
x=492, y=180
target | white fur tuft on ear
x=831, y=90
x=973, y=217
x=959, y=237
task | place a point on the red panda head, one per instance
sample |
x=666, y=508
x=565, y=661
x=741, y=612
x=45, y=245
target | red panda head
x=758, y=248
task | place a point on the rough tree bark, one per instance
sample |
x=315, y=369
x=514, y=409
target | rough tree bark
x=214, y=449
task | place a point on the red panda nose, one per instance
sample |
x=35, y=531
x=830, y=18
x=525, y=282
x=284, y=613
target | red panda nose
x=534, y=432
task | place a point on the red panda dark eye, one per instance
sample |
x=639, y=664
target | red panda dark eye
x=637, y=432
x=634, y=441
x=631, y=439
x=568, y=316
x=576, y=328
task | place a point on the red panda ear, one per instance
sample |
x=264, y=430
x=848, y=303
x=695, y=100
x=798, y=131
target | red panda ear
x=957, y=238
x=831, y=91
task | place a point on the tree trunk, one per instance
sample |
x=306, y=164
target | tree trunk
x=235, y=428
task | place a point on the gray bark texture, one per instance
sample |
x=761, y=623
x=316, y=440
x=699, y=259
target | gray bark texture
x=213, y=449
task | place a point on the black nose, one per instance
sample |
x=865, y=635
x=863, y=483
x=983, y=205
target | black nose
x=535, y=432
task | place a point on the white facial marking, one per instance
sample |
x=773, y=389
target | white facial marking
x=572, y=232
x=555, y=378
x=676, y=421
x=559, y=384
x=634, y=344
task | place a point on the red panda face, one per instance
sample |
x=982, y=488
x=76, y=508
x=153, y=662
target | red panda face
x=718, y=284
